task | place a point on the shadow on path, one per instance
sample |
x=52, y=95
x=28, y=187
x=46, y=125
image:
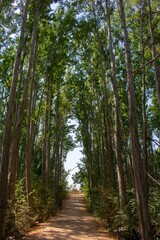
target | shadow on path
x=72, y=222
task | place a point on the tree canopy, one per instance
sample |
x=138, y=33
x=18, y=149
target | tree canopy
x=96, y=62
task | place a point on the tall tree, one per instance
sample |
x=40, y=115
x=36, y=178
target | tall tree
x=144, y=131
x=143, y=210
x=14, y=152
x=107, y=123
x=118, y=141
x=8, y=129
x=153, y=48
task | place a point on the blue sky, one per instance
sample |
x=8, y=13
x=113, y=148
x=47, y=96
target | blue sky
x=73, y=158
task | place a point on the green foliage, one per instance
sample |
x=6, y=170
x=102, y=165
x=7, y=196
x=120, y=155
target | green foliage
x=44, y=200
x=68, y=54
x=104, y=204
x=154, y=205
x=23, y=216
x=126, y=219
x=44, y=205
x=80, y=177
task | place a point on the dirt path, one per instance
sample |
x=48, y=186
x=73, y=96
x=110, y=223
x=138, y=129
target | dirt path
x=72, y=223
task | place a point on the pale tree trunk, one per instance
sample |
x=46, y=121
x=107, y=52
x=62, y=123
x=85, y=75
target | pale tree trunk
x=145, y=163
x=57, y=171
x=86, y=135
x=118, y=145
x=46, y=141
x=14, y=154
x=48, y=129
x=155, y=63
x=57, y=152
x=7, y=135
x=100, y=137
x=30, y=143
x=143, y=210
x=89, y=159
x=106, y=107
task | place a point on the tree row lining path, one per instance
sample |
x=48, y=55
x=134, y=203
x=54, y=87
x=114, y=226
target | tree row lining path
x=72, y=222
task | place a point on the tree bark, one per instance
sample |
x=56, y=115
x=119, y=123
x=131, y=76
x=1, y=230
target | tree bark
x=8, y=129
x=14, y=154
x=144, y=137
x=30, y=143
x=155, y=63
x=106, y=106
x=143, y=210
x=57, y=152
x=46, y=142
x=118, y=145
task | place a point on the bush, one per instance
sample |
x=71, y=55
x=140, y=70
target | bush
x=23, y=216
x=44, y=201
x=104, y=204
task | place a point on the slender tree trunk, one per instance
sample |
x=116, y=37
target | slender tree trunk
x=16, y=136
x=90, y=159
x=30, y=143
x=155, y=63
x=46, y=143
x=48, y=129
x=143, y=210
x=8, y=129
x=86, y=133
x=57, y=152
x=118, y=145
x=106, y=112
x=43, y=157
x=145, y=163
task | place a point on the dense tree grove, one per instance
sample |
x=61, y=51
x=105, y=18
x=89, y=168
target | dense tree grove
x=96, y=62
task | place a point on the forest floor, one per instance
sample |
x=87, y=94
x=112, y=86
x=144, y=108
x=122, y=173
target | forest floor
x=73, y=222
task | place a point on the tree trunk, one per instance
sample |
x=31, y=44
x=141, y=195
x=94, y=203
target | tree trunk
x=30, y=144
x=8, y=129
x=155, y=64
x=48, y=129
x=143, y=210
x=118, y=146
x=144, y=137
x=106, y=112
x=57, y=153
x=16, y=136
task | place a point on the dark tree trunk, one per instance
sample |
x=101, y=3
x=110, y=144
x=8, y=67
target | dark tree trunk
x=155, y=63
x=144, y=137
x=8, y=129
x=30, y=143
x=14, y=154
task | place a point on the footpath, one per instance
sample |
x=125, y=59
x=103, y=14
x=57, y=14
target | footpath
x=73, y=222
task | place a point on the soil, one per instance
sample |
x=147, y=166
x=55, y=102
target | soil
x=73, y=222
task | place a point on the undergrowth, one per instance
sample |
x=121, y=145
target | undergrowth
x=20, y=218
x=104, y=203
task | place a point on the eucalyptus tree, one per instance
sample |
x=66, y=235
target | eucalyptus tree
x=143, y=210
x=106, y=98
x=118, y=141
x=30, y=137
x=17, y=132
x=154, y=51
x=7, y=137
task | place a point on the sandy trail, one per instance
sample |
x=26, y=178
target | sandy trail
x=72, y=222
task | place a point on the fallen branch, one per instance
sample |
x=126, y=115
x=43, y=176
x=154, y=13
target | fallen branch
x=153, y=179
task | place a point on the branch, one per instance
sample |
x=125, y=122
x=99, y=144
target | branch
x=155, y=141
x=157, y=56
x=153, y=179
